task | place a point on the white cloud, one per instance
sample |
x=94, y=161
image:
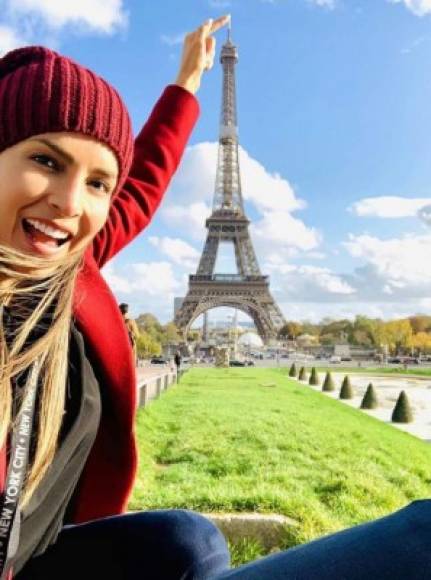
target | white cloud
x=401, y=263
x=146, y=286
x=116, y=282
x=265, y=190
x=271, y=196
x=192, y=216
x=308, y=282
x=154, y=279
x=94, y=15
x=10, y=39
x=412, y=46
x=389, y=206
x=323, y=3
x=219, y=3
x=425, y=214
x=173, y=40
x=417, y=7
x=179, y=251
x=316, y=311
x=284, y=231
x=195, y=180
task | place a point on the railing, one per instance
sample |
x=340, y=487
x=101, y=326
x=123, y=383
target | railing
x=227, y=278
x=151, y=387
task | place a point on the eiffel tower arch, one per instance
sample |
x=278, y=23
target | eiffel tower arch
x=250, y=296
x=247, y=290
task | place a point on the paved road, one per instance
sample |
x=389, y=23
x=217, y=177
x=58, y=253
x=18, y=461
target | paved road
x=283, y=362
x=150, y=371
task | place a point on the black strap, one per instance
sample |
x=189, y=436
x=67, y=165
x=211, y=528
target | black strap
x=10, y=516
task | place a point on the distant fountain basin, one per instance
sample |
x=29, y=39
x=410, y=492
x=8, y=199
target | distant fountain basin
x=388, y=388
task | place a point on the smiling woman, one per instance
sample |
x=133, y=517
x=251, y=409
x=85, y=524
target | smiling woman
x=59, y=186
x=75, y=189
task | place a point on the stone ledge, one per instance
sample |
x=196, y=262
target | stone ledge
x=267, y=529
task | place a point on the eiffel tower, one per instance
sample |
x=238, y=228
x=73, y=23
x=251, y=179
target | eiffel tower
x=248, y=290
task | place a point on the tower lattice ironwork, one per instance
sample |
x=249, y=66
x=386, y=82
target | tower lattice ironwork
x=248, y=289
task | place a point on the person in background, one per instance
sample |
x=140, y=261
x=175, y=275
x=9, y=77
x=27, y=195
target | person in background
x=177, y=361
x=132, y=329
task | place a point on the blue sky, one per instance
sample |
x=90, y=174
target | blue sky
x=334, y=121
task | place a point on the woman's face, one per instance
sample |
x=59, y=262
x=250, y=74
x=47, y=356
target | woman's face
x=62, y=180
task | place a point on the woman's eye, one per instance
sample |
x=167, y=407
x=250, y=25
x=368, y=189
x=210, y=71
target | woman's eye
x=100, y=185
x=45, y=160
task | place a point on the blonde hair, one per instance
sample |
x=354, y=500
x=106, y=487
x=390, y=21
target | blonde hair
x=35, y=287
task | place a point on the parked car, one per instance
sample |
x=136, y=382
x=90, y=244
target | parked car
x=405, y=360
x=159, y=360
x=411, y=360
x=237, y=363
x=335, y=359
x=241, y=363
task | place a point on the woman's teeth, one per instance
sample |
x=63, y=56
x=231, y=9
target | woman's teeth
x=44, y=233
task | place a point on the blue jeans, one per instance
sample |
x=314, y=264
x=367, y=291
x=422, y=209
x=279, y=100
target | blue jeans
x=395, y=547
x=152, y=545
x=180, y=545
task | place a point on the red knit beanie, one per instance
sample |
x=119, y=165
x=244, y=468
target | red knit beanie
x=43, y=92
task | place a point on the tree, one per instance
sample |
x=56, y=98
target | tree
x=338, y=330
x=290, y=330
x=146, y=346
x=420, y=323
x=398, y=335
x=148, y=323
x=328, y=339
x=364, y=331
x=302, y=374
x=170, y=334
x=346, y=389
x=402, y=412
x=292, y=371
x=309, y=328
x=328, y=383
x=422, y=342
x=370, y=398
x=193, y=335
x=314, y=377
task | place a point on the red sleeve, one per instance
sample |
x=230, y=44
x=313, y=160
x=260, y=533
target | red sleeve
x=158, y=151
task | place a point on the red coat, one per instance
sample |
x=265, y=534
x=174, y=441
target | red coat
x=109, y=474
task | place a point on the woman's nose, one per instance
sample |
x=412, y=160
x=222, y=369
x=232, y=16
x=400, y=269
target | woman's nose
x=67, y=198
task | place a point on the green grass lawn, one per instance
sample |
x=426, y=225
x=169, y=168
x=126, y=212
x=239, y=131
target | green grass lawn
x=222, y=442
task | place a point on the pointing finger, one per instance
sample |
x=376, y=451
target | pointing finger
x=219, y=23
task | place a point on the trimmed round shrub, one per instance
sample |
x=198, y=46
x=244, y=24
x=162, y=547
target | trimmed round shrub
x=293, y=371
x=370, y=400
x=328, y=383
x=346, y=389
x=302, y=374
x=314, y=377
x=402, y=412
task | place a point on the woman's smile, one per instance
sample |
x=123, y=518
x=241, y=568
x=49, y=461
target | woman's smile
x=41, y=243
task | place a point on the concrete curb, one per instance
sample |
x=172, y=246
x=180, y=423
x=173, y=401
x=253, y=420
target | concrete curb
x=267, y=529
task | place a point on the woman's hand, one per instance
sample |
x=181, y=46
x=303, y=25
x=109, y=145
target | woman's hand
x=198, y=53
